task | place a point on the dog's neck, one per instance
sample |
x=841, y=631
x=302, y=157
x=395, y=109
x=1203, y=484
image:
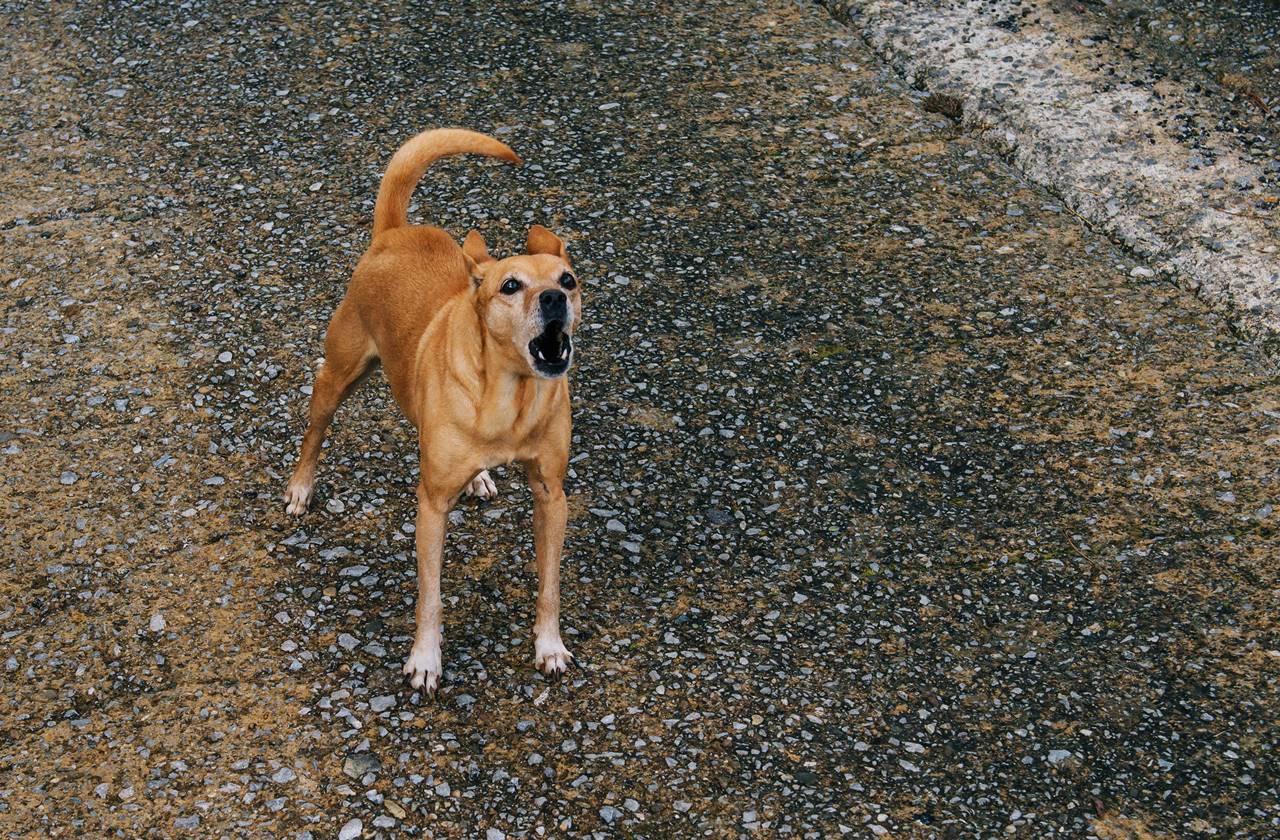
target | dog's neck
x=504, y=400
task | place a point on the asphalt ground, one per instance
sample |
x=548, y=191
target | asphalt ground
x=1149, y=121
x=901, y=505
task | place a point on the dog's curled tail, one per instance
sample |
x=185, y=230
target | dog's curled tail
x=413, y=158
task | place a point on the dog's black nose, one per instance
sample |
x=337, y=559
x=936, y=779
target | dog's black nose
x=554, y=305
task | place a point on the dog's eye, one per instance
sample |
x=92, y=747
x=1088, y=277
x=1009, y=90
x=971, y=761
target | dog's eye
x=510, y=286
x=567, y=280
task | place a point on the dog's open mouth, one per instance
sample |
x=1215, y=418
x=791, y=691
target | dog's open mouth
x=551, y=350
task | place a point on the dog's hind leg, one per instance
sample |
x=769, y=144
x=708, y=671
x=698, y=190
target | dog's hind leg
x=482, y=486
x=349, y=357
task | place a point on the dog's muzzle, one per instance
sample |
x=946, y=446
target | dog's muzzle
x=551, y=350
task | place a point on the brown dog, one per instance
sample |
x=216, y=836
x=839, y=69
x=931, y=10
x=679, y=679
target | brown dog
x=476, y=351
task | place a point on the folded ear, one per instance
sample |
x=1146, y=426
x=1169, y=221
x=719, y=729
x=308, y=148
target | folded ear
x=476, y=253
x=543, y=241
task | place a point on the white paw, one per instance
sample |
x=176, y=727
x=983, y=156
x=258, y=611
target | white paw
x=482, y=486
x=423, y=668
x=550, y=656
x=297, y=496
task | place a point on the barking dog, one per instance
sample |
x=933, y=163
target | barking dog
x=477, y=351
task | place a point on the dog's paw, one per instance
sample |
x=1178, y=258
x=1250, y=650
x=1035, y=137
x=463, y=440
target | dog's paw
x=482, y=486
x=550, y=656
x=423, y=668
x=297, y=497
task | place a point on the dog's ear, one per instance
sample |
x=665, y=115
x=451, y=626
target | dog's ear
x=543, y=241
x=476, y=253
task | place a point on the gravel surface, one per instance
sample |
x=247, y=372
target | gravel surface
x=902, y=504
x=1149, y=139
x=1235, y=44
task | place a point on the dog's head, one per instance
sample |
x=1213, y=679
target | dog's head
x=529, y=304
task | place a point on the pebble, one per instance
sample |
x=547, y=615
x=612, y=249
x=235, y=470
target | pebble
x=356, y=766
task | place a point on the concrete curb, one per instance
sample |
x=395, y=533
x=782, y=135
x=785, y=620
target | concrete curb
x=1098, y=130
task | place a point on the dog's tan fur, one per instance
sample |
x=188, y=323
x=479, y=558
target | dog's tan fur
x=456, y=351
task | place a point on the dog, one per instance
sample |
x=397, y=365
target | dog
x=477, y=352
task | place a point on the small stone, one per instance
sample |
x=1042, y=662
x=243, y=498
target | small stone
x=394, y=807
x=192, y=821
x=283, y=775
x=609, y=814
x=224, y=356
x=335, y=506
x=719, y=516
x=495, y=834
x=351, y=830
x=443, y=789
x=361, y=763
x=1058, y=756
x=348, y=641
x=157, y=623
x=382, y=703
x=68, y=477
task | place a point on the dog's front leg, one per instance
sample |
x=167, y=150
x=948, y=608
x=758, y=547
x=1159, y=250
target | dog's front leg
x=423, y=665
x=550, y=511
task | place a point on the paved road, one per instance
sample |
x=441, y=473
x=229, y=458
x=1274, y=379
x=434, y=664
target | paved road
x=1150, y=121
x=903, y=504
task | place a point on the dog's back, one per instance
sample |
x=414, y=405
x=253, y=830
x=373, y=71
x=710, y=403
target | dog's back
x=410, y=271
